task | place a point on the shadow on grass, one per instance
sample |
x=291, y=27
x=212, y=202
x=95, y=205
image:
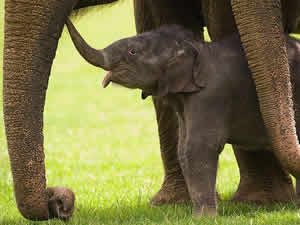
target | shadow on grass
x=137, y=214
x=229, y=208
x=179, y=214
x=123, y=213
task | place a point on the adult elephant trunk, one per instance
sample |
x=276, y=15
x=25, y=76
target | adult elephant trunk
x=95, y=57
x=261, y=28
x=32, y=31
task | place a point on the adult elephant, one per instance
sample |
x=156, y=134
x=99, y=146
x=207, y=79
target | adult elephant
x=32, y=31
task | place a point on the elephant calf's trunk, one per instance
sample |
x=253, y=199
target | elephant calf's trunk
x=93, y=56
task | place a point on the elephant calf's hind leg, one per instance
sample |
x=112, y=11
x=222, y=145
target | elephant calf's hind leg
x=262, y=180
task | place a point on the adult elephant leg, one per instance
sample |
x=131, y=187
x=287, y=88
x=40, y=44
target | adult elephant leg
x=261, y=182
x=260, y=25
x=298, y=188
x=150, y=15
x=32, y=31
x=174, y=189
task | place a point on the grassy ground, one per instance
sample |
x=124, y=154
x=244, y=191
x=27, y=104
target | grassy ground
x=104, y=144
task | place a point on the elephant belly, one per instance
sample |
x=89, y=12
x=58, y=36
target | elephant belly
x=246, y=126
x=249, y=130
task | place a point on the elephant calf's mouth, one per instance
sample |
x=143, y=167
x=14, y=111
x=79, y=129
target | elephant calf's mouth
x=107, y=79
x=145, y=94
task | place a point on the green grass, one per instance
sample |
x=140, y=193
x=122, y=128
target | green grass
x=104, y=144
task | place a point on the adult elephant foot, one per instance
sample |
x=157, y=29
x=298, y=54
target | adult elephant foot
x=173, y=191
x=262, y=182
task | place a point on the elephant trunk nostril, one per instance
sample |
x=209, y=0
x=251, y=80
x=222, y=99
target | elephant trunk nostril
x=61, y=203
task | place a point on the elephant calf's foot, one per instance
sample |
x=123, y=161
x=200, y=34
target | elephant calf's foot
x=205, y=211
x=279, y=191
x=171, y=193
x=258, y=197
x=61, y=202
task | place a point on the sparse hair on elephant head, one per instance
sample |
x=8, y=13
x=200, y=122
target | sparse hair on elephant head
x=158, y=62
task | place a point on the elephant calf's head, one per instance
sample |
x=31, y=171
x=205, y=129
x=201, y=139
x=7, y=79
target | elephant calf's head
x=157, y=62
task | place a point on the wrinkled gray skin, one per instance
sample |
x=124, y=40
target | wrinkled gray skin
x=209, y=85
x=31, y=35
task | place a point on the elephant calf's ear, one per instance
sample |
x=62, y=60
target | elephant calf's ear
x=162, y=87
x=199, y=76
x=179, y=75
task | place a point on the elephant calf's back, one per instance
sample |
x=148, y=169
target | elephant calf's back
x=246, y=124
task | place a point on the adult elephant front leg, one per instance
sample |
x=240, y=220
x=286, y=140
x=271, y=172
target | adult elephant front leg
x=174, y=189
x=32, y=31
x=260, y=24
x=150, y=15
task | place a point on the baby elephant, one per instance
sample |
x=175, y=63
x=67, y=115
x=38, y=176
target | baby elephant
x=208, y=84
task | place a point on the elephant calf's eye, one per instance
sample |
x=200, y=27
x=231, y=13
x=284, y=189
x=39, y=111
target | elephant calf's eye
x=131, y=52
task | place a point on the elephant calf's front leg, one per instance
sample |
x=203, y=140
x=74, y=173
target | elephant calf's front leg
x=199, y=160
